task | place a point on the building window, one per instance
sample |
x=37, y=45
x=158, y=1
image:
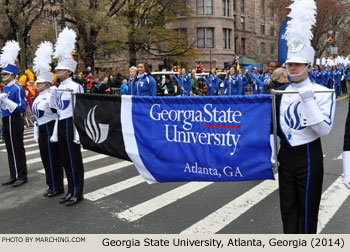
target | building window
x=182, y=31
x=226, y=8
x=227, y=38
x=205, y=7
x=205, y=37
x=262, y=27
x=234, y=5
x=272, y=12
x=183, y=7
x=234, y=21
x=262, y=7
x=243, y=45
x=272, y=49
x=262, y=48
x=236, y=41
x=242, y=6
x=272, y=31
x=242, y=23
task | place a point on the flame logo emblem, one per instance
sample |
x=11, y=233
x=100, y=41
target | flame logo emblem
x=292, y=117
x=62, y=104
x=97, y=132
x=37, y=112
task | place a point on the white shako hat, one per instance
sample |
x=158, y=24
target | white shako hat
x=298, y=33
x=63, y=50
x=318, y=62
x=42, y=61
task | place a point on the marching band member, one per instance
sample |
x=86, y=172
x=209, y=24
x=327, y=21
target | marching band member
x=303, y=119
x=346, y=151
x=68, y=137
x=132, y=73
x=144, y=84
x=45, y=122
x=232, y=83
x=13, y=106
x=184, y=82
x=213, y=82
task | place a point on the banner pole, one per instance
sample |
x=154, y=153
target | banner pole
x=277, y=92
x=274, y=127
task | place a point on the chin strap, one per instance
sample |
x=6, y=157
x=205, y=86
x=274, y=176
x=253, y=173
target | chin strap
x=299, y=74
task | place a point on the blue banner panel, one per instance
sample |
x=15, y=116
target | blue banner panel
x=204, y=138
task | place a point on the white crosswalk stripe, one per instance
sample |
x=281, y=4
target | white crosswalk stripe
x=85, y=160
x=24, y=141
x=26, y=146
x=231, y=211
x=139, y=211
x=112, y=189
x=332, y=198
x=38, y=152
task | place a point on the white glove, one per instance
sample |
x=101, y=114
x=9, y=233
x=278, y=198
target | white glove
x=53, y=90
x=346, y=168
x=53, y=97
x=310, y=111
x=54, y=137
x=36, y=132
x=3, y=96
x=76, y=136
x=10, y=105
x=306, y=93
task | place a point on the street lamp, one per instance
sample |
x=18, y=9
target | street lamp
x=62, y=15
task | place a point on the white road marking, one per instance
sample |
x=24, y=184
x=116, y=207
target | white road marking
x=147, y=207
x=99, y=171
x=112, y=189
x=331, y=201
x=231, y=211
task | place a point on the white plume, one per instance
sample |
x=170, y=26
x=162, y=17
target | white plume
x=9, y=53
x=65, y=44
x=43, y=58
x=303, y=18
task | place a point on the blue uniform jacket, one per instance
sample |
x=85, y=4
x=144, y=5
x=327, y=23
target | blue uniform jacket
x=130, y=85
x=15, y=94
x=324, y=77
x=233, y=87
x=146, y=86
x=213, y=82
x=185, y=82
x=256, y=83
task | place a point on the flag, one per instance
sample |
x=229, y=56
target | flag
x=180, y=138
x=282, y=44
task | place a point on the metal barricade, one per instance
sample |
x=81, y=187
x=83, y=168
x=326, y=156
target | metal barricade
x=116, y=91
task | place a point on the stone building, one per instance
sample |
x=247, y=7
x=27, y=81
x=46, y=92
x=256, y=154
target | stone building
x=223, y=29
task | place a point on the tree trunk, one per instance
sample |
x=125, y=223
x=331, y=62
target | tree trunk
x=131, y=40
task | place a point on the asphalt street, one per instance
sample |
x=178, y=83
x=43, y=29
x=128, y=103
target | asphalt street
x=117, y=200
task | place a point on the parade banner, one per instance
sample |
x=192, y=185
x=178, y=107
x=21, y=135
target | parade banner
x=181, y=138
x=282, y=44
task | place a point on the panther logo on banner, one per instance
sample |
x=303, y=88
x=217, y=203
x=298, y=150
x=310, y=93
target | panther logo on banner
x=96, y=131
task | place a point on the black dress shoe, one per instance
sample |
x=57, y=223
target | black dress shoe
x=54, y=193
x=74, y=200
x=65, y=198
x=19, y=182
x=47, y=192
x=10, y=181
